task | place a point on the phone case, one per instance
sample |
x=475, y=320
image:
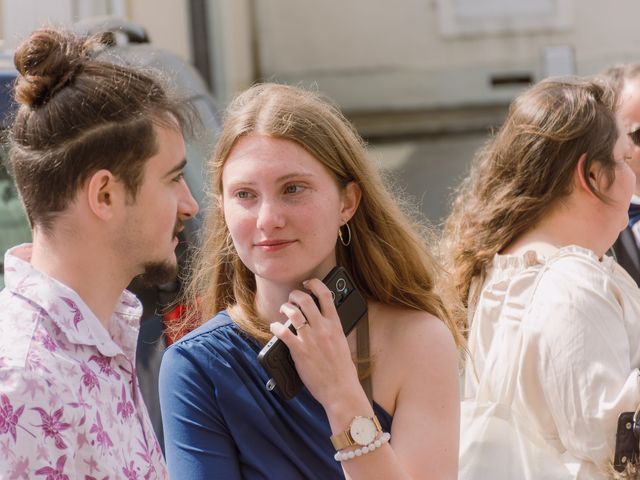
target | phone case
x=275, y=357
x=626, y=451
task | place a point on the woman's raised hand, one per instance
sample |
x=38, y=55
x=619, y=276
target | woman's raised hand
x=320, y=349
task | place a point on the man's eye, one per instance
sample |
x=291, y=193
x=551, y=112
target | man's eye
x=178, y=177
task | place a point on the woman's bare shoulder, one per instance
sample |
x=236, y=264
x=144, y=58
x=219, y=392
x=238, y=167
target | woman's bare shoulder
x=409, y=348
x=403, y=327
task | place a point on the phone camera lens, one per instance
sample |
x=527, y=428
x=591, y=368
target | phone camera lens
x=341, y=284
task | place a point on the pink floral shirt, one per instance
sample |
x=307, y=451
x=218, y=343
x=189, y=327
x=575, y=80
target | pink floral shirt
x=70, y=406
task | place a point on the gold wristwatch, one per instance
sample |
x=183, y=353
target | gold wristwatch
x=362, y=431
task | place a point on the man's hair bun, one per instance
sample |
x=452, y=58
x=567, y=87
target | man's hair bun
x=48, y=61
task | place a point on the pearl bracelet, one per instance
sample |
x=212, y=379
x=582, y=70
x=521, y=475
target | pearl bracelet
x=358, y=452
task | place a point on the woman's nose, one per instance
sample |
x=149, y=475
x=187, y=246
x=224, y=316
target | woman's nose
x=270, y=215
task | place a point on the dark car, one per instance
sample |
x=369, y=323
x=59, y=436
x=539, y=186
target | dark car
x=14, y=228
x=132, y=46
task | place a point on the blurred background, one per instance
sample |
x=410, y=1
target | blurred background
x=424, y=81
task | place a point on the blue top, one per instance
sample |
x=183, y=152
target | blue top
x=220, y=421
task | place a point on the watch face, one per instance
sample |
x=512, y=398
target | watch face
x=363, y=430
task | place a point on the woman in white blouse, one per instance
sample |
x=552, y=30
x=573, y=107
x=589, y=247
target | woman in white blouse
x=554, y=339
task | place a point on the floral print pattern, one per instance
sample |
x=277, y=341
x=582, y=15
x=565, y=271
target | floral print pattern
x=70, y=405
x=52, y=426
x=9, y=418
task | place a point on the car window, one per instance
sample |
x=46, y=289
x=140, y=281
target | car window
x=14, y=227
x=200, y=149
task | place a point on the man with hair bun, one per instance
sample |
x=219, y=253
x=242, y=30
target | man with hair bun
x=97, y=154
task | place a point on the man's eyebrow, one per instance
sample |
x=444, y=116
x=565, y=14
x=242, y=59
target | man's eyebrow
x=179, y=167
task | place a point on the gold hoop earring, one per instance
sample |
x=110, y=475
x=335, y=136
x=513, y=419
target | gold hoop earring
x=344, y=242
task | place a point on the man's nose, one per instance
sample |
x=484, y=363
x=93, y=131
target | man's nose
x=188, y=205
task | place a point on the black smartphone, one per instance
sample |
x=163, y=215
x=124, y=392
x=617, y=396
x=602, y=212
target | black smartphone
x=275, y=357
x=627, y=450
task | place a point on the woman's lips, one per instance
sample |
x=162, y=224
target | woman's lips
x=273, y=245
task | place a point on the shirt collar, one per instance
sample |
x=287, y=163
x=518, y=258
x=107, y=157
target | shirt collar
x=68, y=311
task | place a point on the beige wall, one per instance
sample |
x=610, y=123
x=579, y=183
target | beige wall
x=166, y=22
x=381, y=55
x=371, y=54
x=377, y=54
x=230, y=37
x=231, y=44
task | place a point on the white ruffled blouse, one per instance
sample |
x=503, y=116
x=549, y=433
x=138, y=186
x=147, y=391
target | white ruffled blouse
x=577, y=364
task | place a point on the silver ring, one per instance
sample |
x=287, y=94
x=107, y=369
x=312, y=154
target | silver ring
x=305, y=324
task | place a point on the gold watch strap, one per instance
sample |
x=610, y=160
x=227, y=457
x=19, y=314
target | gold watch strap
x=343, y=440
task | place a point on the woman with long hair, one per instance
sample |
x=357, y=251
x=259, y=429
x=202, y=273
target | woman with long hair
x=293, y=195
x=554, y=322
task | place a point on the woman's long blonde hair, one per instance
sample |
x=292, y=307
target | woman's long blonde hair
x=387, y=258
x=521, y=173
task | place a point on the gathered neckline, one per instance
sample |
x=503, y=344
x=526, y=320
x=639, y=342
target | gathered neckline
x=530, y=258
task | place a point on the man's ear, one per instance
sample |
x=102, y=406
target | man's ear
x=351, y=196
x=101, y=193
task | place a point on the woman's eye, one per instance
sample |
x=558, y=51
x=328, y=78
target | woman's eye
x=293, y=188
x=242, y=194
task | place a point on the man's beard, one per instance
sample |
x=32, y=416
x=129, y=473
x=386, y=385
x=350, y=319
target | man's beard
x=158, y=273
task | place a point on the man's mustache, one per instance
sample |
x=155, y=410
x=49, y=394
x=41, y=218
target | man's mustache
x=179, y=226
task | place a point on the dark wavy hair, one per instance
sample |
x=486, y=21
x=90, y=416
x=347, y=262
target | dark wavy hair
x=527, y=168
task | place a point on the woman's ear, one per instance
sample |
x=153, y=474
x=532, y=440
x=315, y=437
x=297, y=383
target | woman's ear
x=593, y=178
x=351, y=196
x=101, y=193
